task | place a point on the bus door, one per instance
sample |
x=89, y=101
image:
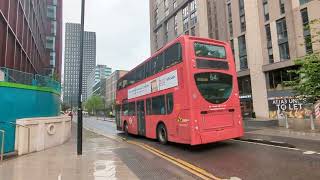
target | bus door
x=141, y=118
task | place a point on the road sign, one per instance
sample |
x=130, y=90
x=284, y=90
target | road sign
x=317, y=110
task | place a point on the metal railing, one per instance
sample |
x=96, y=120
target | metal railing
x=11, y=75
x=14, y=76
x=13, y=124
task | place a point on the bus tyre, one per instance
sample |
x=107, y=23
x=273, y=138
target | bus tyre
x=126, y=128
x=162, y=134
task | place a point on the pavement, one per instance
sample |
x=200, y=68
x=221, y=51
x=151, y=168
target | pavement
x=102, y=159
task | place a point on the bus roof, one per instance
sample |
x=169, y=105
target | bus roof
x=174, y=41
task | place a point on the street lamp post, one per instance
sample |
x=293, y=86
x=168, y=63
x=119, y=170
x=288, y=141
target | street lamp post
x=79, y=133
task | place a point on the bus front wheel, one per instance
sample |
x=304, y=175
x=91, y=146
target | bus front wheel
x=162, y=134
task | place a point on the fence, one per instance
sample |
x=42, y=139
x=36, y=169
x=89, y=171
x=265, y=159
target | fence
x=14, y=76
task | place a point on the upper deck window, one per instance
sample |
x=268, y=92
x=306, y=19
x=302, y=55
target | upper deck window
x=209, y=50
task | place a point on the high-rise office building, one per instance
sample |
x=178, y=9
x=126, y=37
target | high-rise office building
x=72, y=62
x=172, y=18
x=267, y=36
x=99, y=73
x=31, y=36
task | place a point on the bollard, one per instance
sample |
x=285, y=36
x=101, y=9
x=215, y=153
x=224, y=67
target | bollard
x=286, y=118
x=312, y=122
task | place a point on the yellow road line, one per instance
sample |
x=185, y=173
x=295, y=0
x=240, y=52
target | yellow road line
x=183, y=164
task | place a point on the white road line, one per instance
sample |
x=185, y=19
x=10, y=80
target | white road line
x=309, y=152
x=296, y=149
x=306, y=152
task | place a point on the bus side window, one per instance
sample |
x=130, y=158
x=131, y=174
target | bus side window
x=125, y=109
x=132, y=109
x=148, y=105
x=173, y=55
x=169, y=100
x=158, y=105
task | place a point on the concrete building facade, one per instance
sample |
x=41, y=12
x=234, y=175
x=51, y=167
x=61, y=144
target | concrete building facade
x=72, y=61
x=111, y=86
x=172, y=18
x=95, y=77
x=267, y=36
x=31, y=36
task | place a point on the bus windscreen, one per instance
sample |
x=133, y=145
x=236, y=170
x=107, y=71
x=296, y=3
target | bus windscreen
x=209, y=51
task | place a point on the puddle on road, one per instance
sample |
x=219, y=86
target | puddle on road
x=104, y=169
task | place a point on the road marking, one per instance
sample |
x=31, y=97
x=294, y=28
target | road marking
x=203, y=174
x=180, y=163
x=183, y=164
x=306, y=152
x=309, y=152
x=270, y=145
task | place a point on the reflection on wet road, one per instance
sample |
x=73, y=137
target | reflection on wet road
x=235, y=158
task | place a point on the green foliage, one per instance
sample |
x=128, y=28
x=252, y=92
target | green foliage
x=308, y=83
x=94, y=104
x=309, y=72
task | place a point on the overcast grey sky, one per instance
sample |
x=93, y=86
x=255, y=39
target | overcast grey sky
x=121, y=26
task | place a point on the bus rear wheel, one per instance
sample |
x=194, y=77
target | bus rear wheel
x=162, y=134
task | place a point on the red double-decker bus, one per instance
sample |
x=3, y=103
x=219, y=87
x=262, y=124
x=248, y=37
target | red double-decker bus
x=187, y=92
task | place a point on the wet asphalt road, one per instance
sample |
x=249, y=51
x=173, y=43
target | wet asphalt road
x=238, y=159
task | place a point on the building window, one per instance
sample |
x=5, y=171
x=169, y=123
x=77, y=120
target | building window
x=242, y=16
x=269, y=43
x=282, y=6
x=193, y=18
x=277, y=78
x=193, y=31
x=283, y=39
x=166, y=7
x=185, y=12
x=156, y=13
x=232, y=46
x=242, y=23
x=185, y=24
x=166, y=30
x=266, y=10
x=243, y=52
x=284, y=51
x=306, y=30
x=193, y=6
x=244, y=85
x=176, y=25
x=175, y=5
x=241, y=7
x=230, y=20
x=156, y=39
x=304, y=1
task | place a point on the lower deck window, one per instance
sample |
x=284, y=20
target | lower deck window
x=158, y=105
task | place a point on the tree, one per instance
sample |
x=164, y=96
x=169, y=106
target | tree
x=64, y=106
x=94, y=104
x=308, y=83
